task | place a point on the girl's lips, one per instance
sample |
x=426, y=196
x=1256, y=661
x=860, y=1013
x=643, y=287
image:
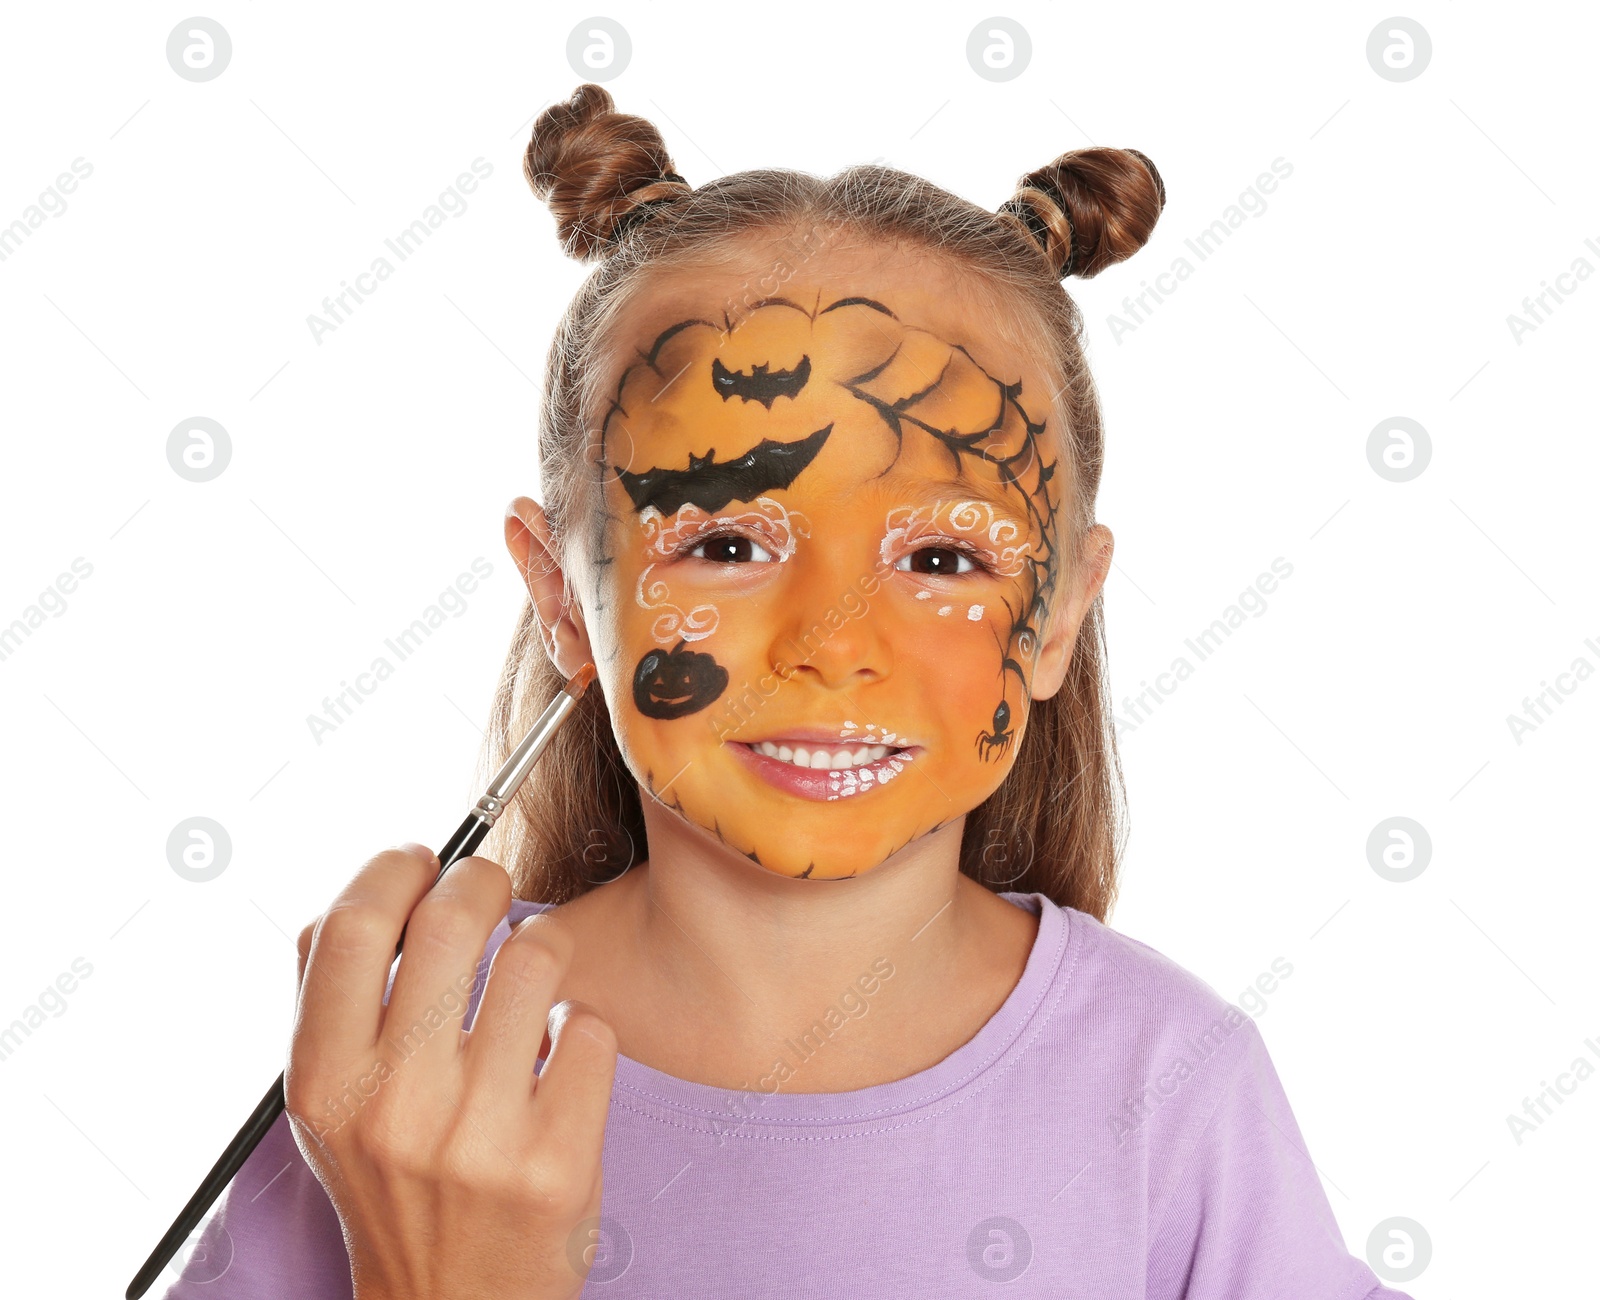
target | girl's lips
x=823, y=786
x=806, y=735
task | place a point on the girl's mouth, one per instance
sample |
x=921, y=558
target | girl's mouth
x=863, y=767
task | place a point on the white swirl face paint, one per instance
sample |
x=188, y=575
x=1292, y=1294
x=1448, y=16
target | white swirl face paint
x=976, y=521
x=666, y=538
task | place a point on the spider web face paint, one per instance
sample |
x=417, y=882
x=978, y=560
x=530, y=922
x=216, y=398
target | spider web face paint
x=768, y=489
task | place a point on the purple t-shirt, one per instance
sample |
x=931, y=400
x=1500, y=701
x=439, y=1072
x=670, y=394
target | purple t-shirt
x=1115, y=1130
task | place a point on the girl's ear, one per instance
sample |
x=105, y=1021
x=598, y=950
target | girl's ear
x=561, y=626
x=1072, y=603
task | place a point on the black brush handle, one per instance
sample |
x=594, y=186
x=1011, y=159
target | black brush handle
x=460, y=845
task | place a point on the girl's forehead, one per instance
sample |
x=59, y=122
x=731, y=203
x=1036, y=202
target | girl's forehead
x=906, y=381
x=926, y=293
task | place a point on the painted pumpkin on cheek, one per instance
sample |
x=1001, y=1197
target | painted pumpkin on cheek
x=827, y=556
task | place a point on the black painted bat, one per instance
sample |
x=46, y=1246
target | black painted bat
x=710, y=485
x=758, y=385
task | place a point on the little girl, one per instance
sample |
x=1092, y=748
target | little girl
x=820, y=869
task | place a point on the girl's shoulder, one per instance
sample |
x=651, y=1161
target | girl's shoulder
x=1125, y=988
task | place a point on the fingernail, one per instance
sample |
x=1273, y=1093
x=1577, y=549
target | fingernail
x=421, y=850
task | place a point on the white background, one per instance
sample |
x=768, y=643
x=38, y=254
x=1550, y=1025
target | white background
x=370, y=469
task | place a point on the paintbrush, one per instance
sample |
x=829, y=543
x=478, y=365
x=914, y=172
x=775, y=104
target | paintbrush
x=460, y=845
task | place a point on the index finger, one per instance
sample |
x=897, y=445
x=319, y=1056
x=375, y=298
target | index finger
x=352, y=949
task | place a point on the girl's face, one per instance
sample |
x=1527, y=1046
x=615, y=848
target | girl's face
x=828, y=538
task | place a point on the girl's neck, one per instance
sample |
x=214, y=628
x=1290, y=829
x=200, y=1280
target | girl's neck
x=705, y=966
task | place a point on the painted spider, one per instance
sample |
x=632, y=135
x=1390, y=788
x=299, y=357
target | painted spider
x=1001, y=737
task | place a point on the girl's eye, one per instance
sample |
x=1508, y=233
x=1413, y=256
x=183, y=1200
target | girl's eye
x=944, y=566
x=726, y=548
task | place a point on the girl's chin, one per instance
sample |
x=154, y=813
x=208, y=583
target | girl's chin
x=819, y=871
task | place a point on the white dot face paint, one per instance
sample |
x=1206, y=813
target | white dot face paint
x=848, y=781
x=974, y=612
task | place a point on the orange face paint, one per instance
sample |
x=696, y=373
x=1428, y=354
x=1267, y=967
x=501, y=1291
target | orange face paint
x=827, y=520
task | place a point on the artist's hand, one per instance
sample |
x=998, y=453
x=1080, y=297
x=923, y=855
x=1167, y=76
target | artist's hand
x=456, y=1171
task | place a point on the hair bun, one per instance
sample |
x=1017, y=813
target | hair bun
x=598, y=170
x=1089, y=208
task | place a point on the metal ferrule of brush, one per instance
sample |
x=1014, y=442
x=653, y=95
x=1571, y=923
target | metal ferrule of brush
x=488, y=809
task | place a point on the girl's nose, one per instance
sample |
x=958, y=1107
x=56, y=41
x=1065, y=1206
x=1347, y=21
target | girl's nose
x=833, y=621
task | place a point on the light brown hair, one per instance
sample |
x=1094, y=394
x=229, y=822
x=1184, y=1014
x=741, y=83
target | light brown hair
x=1056, y=824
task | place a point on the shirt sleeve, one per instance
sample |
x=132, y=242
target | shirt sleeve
x=275, y=1233
x=1248, y=1218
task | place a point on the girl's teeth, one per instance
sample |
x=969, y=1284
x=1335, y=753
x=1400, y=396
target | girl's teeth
x=821, y=758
